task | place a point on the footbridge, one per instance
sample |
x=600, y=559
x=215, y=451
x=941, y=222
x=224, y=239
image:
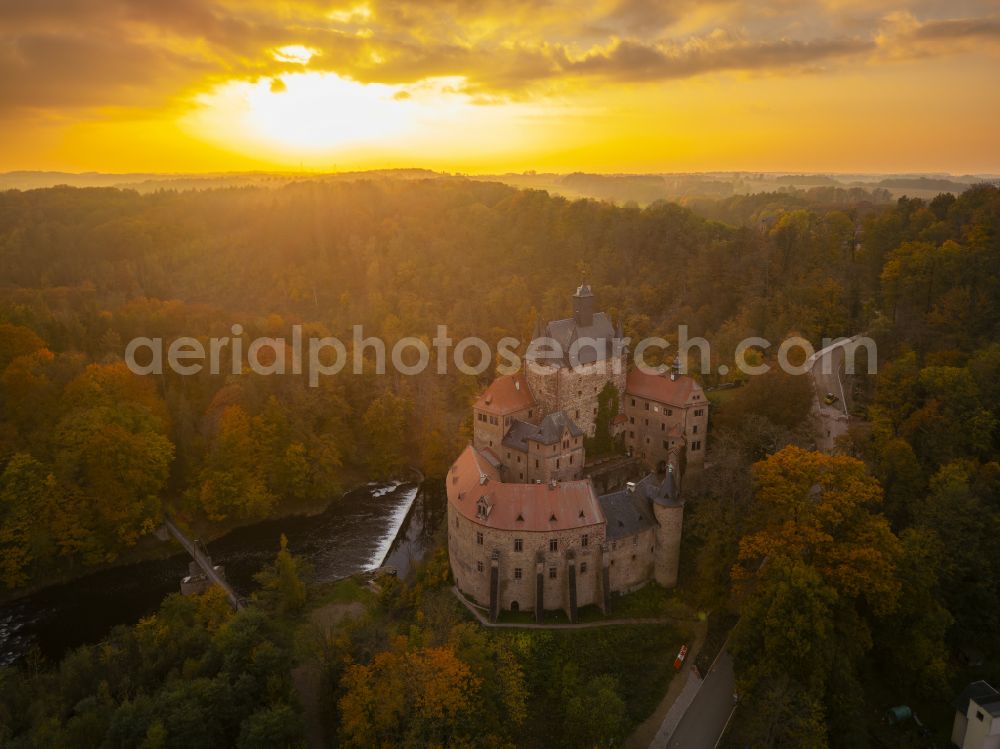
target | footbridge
x=197, y=551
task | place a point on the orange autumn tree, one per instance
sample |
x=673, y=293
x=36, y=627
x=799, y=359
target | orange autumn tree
x=409, y=698
x=820, y=509
x=815, y=572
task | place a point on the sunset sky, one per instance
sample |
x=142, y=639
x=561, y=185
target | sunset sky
x=497, y=85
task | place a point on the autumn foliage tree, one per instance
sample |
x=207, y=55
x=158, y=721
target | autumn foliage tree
x=422, y=697
x=818, y=568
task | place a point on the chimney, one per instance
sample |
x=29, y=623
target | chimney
x=583, y=306
x=675, y=368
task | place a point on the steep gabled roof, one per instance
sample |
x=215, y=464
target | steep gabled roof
x=628, y=511
x=525, y=507
x=565, y=332
x=660, y=388
x=506, y=394
x=983, y=694
x=547, y=432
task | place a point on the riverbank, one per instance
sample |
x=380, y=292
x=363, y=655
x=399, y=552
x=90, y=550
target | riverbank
x=368, y=525
x=151, y=549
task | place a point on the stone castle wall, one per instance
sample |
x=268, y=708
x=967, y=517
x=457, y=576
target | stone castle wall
x=466, y=554
x=648, y=424
x=668, y=546
x=631, y=560
x=575, y=391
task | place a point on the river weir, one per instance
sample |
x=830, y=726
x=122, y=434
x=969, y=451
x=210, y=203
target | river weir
x=380, y=524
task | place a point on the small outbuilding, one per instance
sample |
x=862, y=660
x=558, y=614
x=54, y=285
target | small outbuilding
x=977, y=717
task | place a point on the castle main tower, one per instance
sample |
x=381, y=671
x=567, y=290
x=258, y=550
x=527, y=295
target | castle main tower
x=583, y=353
x=668, y=509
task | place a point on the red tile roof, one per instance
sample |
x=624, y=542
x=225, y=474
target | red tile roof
x=506, y=394
x=524, y=507
x=660, y=388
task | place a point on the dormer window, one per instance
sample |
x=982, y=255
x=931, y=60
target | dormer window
x=483, y=508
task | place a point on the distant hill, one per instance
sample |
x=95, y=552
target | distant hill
x=642, y=189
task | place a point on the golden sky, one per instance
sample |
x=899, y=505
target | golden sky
x=500, y=85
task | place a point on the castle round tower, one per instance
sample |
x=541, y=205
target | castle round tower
x=668, y=509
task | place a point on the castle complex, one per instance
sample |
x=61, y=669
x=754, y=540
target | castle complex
x=526, y=530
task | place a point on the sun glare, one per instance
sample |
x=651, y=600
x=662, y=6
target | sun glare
x=305, y=112
x=295, y=53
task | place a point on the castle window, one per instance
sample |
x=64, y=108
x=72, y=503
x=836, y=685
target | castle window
x=584, y=540
x=578, y=413
x=694, y=429
x=633, y=401
x=647, y=440
x=552, y=573
x=565, y=443
x=479, y=566
x=583, y=568
x=571, y=460
x=670, y=412
x=699, y=412
x=557, y=462
x=553, y=544
x=631, y=420
x=479, y=538
x=536, y=462
x=530, y=413
x=665, y=445
x=518, y=544
x=517, y=573
x=663, y=427
x=647, y=405
x=521, y=475
x=696, y=445
x=647, y=423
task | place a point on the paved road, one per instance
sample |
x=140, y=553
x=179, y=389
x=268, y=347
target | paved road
x=827, y=373
x=706, y=718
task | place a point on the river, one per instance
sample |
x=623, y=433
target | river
x=391, y=524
